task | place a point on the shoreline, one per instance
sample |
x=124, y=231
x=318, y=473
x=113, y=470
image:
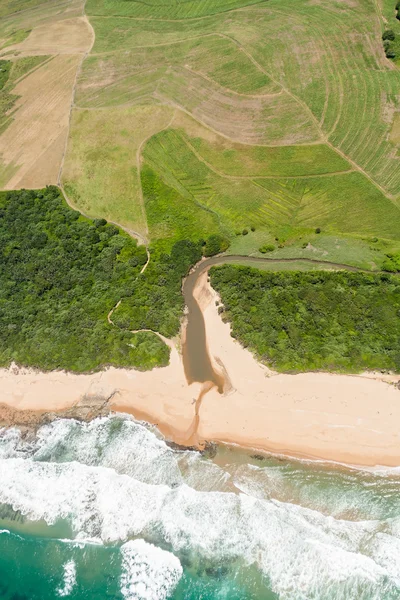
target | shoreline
x=345, y=419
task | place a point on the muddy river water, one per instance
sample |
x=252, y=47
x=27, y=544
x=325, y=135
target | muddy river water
x=197, y=362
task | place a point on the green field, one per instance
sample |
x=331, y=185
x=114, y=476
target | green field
x=346, y=203
x=260, y=114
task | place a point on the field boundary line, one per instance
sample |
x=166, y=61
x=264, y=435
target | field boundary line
x=78, y=71
x=168, y=102
x=135, y=234
x=31, y=8
x=224, y=87
x=42, y=64
x=147, y=46
x=138, y=168
x=114, y=83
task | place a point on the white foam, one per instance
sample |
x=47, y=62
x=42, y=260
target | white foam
x=149, y=573
x=116, y=442
x=69, y=579
x=304, y=553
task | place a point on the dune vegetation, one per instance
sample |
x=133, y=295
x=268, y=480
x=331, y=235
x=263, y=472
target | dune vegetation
x=60, y=275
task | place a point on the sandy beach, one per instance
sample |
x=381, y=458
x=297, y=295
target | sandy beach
x=342, y=418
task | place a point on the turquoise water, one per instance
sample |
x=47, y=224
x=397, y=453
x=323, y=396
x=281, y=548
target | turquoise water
x=109, y=510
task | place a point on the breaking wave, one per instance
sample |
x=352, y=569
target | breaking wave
x=313, y=533
x=69, y=579
x=149, y=573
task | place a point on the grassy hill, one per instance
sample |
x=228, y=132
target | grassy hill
x=266, y=114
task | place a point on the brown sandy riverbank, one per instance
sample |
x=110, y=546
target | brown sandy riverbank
x=348, y=419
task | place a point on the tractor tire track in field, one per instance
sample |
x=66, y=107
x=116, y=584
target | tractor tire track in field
x=323, y=136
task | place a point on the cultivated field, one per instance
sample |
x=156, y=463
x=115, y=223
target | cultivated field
x=264, y=114
x=43, y=46
x=204, y=116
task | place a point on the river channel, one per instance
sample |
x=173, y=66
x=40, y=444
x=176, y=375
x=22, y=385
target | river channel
x=197, y=362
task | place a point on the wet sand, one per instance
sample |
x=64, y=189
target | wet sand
x=347, y=419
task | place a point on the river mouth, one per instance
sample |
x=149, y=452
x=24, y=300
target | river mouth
x=198, y=364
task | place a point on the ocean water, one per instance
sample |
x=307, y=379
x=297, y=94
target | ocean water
x=108, y=510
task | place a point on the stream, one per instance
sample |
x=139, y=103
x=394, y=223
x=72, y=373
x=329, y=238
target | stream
x=196, y=358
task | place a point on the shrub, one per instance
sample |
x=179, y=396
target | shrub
x=99, y=222
x=245, y=231
x=215, y=244
x=267, y=248
x=318, y=230
x=388, y=35
x=252, y=228
x=392, y=263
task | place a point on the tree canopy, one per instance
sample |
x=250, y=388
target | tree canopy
x=315, y=320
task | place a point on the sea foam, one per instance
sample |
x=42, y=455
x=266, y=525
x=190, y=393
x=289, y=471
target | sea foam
x=69, y=579
x=148, y=573
x=305, y=554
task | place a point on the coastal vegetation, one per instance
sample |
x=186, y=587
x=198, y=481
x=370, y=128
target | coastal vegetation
x=320, y=320
x=60, y=275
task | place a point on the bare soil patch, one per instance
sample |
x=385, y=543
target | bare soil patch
x=68, y=36
x=34, y=141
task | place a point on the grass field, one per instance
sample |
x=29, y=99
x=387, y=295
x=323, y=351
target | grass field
x=199, y=117
x=101, y=174
x=284, y=119
x=346, y=203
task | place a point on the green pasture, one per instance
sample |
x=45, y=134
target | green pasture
x=101, y=174
x=342, y=203
x=166, y=9
x=275, y=161
x=284, y=120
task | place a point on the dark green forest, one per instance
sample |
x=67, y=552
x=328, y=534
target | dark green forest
x=316, y=320
x=60, y=275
